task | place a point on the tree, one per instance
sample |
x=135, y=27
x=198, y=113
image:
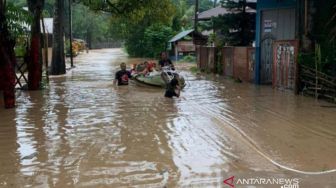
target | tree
x=58, y=56
x=132, y=27
x=35, y=53
x=156, y=37
x=12, y=25
x=7, y=58
x=323, y=33
x=94, y=27
x=238, y=27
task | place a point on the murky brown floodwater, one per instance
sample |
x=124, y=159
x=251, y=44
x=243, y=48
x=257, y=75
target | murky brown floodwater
x=84, y=132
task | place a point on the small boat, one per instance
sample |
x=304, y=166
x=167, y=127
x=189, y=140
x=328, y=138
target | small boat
x=159, y=78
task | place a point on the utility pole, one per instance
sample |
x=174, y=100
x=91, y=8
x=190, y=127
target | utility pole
x=196, y=16
x=70, y=32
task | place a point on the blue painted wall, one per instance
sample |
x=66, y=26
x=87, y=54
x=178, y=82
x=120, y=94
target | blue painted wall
x=263, y=5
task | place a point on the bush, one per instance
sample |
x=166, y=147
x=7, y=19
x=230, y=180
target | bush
x=189, y=58
x=148, y=42
x=194, y=70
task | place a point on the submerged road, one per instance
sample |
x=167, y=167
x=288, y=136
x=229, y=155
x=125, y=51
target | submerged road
x=84, y=132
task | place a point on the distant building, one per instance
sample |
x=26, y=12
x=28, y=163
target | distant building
x=184, y=42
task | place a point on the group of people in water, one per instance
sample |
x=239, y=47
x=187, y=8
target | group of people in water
x=122, y=76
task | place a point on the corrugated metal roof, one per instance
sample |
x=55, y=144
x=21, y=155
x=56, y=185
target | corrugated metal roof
x=214, y=12
x=218, y=11
x=181, y=35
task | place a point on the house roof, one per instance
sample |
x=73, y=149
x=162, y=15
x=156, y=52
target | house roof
x=181, y=35
x=214, y=12
x=218, y=11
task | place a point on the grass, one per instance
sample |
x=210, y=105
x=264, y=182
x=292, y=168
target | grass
x=194, y=70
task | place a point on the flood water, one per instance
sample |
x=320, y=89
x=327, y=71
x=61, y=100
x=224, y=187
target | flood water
x=84, y=132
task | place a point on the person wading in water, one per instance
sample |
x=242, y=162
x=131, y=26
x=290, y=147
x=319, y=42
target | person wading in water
x=122, y=76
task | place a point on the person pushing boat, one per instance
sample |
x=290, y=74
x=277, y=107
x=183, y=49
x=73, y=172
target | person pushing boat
x=165, y=61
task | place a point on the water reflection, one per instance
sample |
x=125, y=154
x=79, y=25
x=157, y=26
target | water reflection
x=9, y=158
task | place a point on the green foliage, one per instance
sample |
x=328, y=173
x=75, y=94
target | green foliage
x=18, y=20
x=93, y=25
x=189, y=58
x=18, y=3
x=323, y=32
x=194, y=70
x=146, y=31
x=156, y=38
x=20, y=46
x=185, y=13
x=238, y=27
x=149, y=42
x=181, y=8
x=135, y=43
x=205, y=5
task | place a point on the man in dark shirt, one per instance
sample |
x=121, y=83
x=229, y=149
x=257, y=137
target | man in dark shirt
x=122, y=76
x=165, y=61
x=173, y=89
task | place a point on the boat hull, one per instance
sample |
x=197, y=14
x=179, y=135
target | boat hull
x=156, y=80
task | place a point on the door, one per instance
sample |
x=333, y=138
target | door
x=276, y=24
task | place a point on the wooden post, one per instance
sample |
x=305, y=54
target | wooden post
x=70, y=32
x=176, y=51
x=46, y=56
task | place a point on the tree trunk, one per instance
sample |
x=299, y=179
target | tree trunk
x=58, y=57
x=35, y=63
x=7, y=60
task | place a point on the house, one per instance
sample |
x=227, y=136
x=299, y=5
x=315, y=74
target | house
x=209, y=15
x=279, y=30
x=184, y=43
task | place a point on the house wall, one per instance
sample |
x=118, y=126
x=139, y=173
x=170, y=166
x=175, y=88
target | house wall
x=185, y=46
x=269, y=5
